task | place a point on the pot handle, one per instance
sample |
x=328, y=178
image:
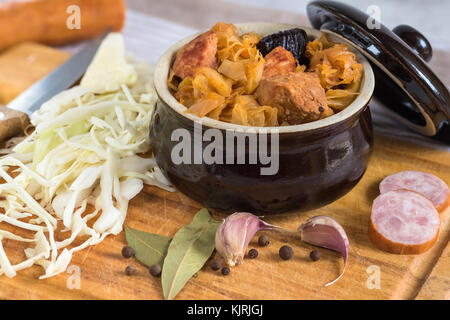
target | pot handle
x=427, y=110
x=415, y=40
x=420, y=44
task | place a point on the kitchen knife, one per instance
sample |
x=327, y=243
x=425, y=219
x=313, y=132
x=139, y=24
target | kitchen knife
x=13, y=117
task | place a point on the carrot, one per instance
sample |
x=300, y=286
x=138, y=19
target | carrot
x=54, y=22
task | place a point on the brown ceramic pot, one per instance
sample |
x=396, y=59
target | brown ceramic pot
x=318, y=162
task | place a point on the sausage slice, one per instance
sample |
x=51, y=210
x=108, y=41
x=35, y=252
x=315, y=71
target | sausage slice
x=403, y=222
x=428, y=185
x=200, y=52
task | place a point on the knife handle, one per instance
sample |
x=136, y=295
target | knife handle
x=12, y=123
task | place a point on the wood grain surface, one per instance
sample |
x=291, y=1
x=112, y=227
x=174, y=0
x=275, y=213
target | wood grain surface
x=437, y=284
x=101, y=268
x=24, y=64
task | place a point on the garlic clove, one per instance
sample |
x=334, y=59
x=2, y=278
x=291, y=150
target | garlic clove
x=323, y=231
x=235, y=233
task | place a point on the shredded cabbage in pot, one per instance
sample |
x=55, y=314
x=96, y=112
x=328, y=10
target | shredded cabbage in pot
x=83, y=152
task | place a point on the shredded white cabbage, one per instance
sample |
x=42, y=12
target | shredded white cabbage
x=83, y=152
x=109, y=68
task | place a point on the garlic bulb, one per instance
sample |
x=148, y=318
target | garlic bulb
x=323, y=231
x=235, y=233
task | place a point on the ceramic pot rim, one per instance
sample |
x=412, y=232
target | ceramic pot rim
x=163, y=66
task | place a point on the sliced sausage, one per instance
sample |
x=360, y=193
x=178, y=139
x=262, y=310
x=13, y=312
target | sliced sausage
x=278, y=61
x=428, y=185
x=403, y=222
x=200, y=52
x=298, y=96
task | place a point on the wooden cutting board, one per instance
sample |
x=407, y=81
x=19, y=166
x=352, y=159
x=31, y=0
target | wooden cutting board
x=100, y=269
x=24, y=64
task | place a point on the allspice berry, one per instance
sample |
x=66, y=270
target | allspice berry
x=314, y=255
x=130, y=270
x=225, y=271
x=286, y=252
x=263, y=240
x=155, y=270
x=252, y=253
x=215, y=264
x=127, y=252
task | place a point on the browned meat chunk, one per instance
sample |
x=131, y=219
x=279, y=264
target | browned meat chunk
x=298, y=96
x=227, y=30
x=278, y=61
x=200, y=52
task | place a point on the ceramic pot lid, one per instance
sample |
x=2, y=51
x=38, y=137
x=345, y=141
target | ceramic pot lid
x=405, y=84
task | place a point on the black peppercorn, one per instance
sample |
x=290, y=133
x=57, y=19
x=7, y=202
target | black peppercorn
x=130, y=270
x=225, y=271
x=127, y=252
x=252, y=253
x=155, y=270
x=286, y=252
x=314, y=255
x=263, y=240
x=215, y=265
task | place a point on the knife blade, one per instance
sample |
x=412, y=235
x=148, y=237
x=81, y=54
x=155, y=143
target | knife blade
x=13, y=117
x=58, y=80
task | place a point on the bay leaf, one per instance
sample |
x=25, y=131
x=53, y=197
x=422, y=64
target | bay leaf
x=149, y=248
x=188, y=251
